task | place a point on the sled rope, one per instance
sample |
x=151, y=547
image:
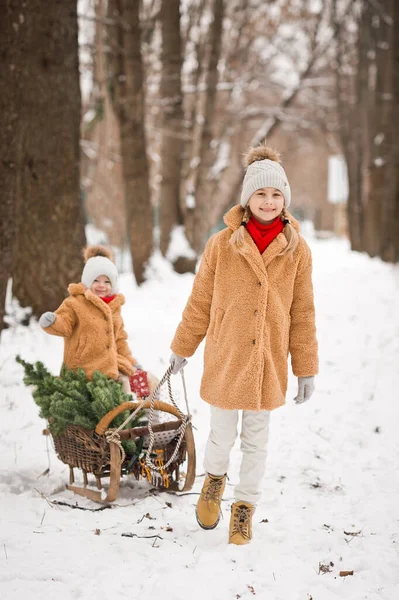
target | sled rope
x=113, y=436
x=181, y=430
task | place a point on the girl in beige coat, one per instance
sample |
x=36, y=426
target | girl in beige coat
x=253, y=300
x=90, y=321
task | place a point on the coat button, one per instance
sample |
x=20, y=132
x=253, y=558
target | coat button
x=254, y=342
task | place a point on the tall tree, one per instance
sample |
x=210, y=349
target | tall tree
x=171, y=101
x=128, y=88
x=11, y=38
x=48, y=214
x=368, y=101
x=380, y=129
x=206, y=155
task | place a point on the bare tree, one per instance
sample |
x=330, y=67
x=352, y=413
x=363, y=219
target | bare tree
x=45, y=187
x=368, y=102
x=171, y=103
x=204, y=152
x=11, y=45
x=317, y=48
x=128, y=89
x=250, y=69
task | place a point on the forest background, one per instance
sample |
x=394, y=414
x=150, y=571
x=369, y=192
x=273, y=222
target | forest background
x=125, y=122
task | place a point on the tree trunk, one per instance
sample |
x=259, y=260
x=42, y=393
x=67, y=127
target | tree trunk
x=395, y=224
x=349, y=117
x=128, y=85
x=11, y=40
x=373, y=153
x=198, y=225
x=49, y=220
x=383, y=141
x=171, y=101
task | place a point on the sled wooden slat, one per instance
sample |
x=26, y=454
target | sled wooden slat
x=190, y=475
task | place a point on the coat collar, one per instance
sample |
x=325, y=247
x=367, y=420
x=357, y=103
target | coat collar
x=79, y=289
x=257, y=261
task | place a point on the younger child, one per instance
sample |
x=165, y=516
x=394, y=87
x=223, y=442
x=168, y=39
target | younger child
x=253, y=300
x=90, y=321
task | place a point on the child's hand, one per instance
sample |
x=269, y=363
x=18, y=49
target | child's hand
x=177, y=363
x=47, y=319
x=305, y=389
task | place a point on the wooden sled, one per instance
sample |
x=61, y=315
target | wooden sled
x=96, y=452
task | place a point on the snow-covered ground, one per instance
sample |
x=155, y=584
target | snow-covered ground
x=329, y=497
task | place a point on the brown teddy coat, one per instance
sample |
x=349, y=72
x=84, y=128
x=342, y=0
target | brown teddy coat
x=93, y=332
x=253, y=308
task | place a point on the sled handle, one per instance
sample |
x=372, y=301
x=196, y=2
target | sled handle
x=103, y=425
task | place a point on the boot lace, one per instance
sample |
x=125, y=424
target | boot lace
x=242, y=520
x=214, y=489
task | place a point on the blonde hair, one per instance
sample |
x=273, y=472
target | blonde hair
x=290, y=234
x=237, y=239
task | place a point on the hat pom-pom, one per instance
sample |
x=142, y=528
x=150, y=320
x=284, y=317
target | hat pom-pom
x=261, y=152
x=97, y=250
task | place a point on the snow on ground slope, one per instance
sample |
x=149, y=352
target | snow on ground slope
x=330, y=495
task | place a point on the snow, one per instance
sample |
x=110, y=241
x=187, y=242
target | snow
x=222, y=160
x=179, y=245
x=332, y=467
x=379, y=162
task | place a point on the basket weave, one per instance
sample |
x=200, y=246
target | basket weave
x=86, y=450
x=82, y=448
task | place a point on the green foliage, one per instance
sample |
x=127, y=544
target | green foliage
x=72, y=399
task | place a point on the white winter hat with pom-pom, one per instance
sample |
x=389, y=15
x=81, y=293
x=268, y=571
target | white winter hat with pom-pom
x=99, y=262
x=264, y=170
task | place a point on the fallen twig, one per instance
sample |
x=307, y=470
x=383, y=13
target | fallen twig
x=43, y=496
x=61, y=503
x=345, y=573
x=148, y=537
x=46, y=472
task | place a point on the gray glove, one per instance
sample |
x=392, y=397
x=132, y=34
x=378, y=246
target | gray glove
x=47, y=319
x=177, y=363
x=305, y=389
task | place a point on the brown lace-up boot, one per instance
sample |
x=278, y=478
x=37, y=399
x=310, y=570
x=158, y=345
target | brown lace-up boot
x=240, y=531
x=208, y=506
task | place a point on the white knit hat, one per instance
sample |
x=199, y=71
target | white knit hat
x=99, y=263
x=264, y=172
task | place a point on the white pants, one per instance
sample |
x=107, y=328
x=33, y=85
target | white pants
x=254, y=436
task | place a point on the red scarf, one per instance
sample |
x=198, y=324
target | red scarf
x=108, y=299
x=264, y=234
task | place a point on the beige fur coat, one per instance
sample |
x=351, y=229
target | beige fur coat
x=253, y=309
x=93, y=332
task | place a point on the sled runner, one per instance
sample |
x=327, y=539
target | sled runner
x=165, y=452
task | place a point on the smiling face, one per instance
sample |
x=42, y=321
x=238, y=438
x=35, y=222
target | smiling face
x=101, y=286
x=266, y=204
